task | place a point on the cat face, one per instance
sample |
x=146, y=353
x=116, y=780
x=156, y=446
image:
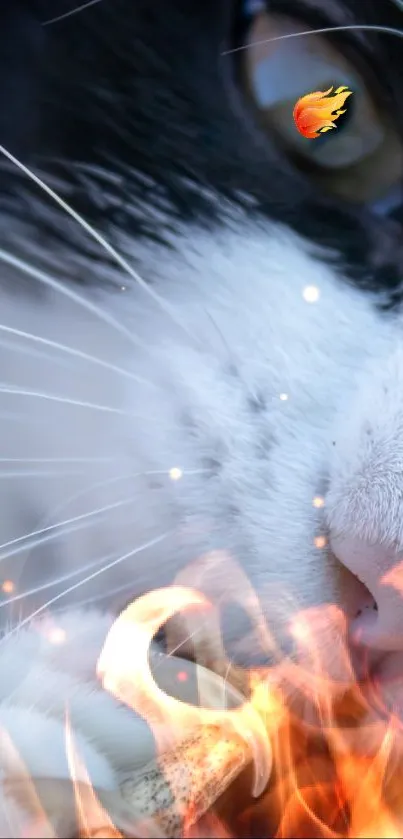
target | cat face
x=273, y=266
x=200, y=349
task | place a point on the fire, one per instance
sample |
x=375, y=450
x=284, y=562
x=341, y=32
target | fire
x=202, y=750
x=325, y=750
x=92, y=818
x=315, y=113
x=287, y=750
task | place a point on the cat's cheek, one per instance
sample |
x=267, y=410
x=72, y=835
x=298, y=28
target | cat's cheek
x=366, y=468
x=364, y=511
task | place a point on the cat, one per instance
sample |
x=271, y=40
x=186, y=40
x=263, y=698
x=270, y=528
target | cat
x=201, y=337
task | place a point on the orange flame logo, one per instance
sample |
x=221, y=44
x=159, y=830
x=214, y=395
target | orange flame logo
x=315, y=113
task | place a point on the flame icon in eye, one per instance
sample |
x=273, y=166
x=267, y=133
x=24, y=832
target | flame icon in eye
x=315, y=113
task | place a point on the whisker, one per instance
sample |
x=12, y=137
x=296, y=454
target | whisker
x=230, y=353
x=36, y=394
x=42, y=277
x=23, y=417
x=12, y=346
x=89, y=601
x=364, y=27
x=150, y=544
x=226, y=674
x=51, y=583
x=71, y=12
x=127, y=268
x=60, y=526
x=71, y=351
x=73, y=497
x=185, y=640
x=84, y=516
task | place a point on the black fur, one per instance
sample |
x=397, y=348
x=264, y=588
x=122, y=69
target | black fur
x=143, y=92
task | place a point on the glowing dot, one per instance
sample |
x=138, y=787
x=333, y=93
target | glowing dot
x=320, y=542
x=57, y=635
x=318, y=502
x=175, y=474
x=311, y=294
x=300, y=630
x=123, y=288
x=182, y=676
x=8, y=587
x=284, y=397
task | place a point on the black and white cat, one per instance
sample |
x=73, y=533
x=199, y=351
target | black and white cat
x=223, y=350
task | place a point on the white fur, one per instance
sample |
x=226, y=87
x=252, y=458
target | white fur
x=241, y=331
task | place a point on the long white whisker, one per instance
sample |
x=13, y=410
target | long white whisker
x=160, y=301
x=88, y=579
x=73, y=497
x=23, y=349
x=71, y=351
x=71, y=12
x=385, y=30
x=60, y=528
x=89, y=601
x=36, y=394
x=23, y=417
x=50, y=584
x=83, y=516
x=42, y=277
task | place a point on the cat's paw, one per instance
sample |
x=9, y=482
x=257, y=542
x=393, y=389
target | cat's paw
x=58, y=725
x=50, y=697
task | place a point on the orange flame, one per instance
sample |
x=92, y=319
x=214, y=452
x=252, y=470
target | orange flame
x=317, y=776
x=93, y=820
x=279, y=751
x=18, y=789
x=201, y=750
x=315, y=113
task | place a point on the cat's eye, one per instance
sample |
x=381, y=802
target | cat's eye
x=362, y=158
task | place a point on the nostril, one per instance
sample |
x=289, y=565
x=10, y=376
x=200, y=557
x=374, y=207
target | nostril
x=370, y=605
x=363, y=657
x=364, y=620
x=356, y=598
x=375, y=605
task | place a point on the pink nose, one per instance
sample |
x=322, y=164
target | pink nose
x=378, y=622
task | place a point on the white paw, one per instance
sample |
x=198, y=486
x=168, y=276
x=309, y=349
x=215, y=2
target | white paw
x=43, y=683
